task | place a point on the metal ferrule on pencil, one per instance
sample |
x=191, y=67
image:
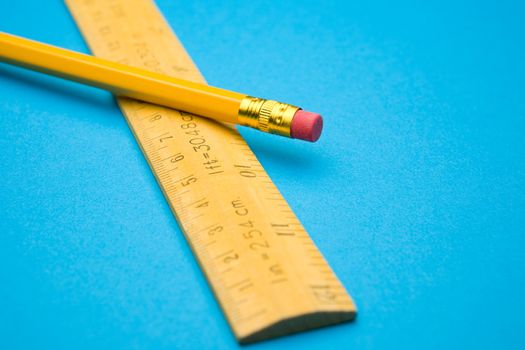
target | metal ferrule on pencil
x=267, y=115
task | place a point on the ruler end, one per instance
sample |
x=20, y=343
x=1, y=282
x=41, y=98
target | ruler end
x=299, y=324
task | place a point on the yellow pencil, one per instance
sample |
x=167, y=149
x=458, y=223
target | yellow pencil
x=207, y=101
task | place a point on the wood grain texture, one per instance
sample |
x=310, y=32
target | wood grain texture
x=265, y=271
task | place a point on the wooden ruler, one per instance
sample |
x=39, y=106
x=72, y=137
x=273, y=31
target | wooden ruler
x=266, y=272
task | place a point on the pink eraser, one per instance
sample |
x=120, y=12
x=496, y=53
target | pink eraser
x=306, y=126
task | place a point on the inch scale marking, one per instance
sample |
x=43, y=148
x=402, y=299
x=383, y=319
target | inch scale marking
x=266, y=272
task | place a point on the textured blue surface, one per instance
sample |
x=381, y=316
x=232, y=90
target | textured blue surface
x=415, y=193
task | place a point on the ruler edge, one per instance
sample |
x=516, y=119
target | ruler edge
x=271, y=330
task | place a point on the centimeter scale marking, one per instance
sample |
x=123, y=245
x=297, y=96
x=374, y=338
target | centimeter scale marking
x=266, y=272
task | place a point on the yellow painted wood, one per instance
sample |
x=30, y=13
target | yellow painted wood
x=266, y=272
x=121, y=79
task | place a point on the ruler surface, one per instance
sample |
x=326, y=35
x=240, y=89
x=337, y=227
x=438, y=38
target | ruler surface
x=265, y=271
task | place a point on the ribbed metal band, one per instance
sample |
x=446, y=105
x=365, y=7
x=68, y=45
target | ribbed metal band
x=267, y=115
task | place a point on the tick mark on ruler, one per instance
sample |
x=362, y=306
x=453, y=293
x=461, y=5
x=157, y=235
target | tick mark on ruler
x=156, y=137
x=181, y=193
x=176, y=156
x=285, y=233
x=227, y=270
x=194, y=202
x=206, y=228
x=243, y=284
x=194, y=218
x=184, y=178
x=242, y=301
x=316, y=256
x=279, y=280
x=224, y=254
x=209, y=243
x=318, y=264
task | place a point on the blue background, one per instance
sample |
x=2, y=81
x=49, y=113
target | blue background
x=415, y=193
